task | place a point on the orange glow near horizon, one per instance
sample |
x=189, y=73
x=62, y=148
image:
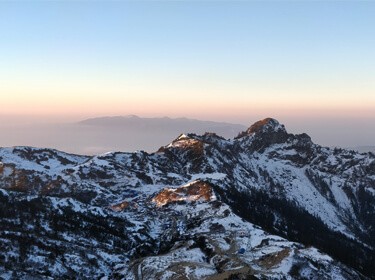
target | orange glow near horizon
x=70, y=109
x=81, y=97
x=182, y=104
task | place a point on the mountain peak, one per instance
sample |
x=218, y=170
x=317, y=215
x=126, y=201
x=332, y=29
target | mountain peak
x=131, y=117
x=185, y=141
x=267, y=125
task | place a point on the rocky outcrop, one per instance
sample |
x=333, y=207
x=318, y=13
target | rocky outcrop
x=197, y=190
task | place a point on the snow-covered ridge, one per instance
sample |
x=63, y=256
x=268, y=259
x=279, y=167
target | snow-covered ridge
x=282, y=182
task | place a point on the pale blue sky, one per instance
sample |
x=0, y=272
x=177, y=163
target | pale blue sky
x=224, y=60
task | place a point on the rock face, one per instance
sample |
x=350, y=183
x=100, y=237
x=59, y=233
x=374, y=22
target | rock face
x=194, y=191
x=267, y=125
x=199, y=207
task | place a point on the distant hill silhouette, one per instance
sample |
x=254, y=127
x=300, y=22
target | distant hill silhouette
x=129, y=133
x=175, y=125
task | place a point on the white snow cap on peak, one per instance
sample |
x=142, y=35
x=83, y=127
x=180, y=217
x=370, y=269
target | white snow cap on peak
x=182, y=136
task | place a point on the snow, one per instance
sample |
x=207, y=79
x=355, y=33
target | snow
x=4, y=192
x=109, y=257
x=193, y=256
x=331, y=160
x=314, y=254
x=300, y=189
x=203, y=271
x=76, y=206
x=222, y=244
x=256, y=237
x=51, y=166
x=175, y=175
x=149, y=190
x=340, y=197
x=6, y=275
x=371, y=190
x=97, y=160
x=214, y=176
x=7, y=171
x=182, y=141
x=182, y=136
x=167, y=275
x=285, y=265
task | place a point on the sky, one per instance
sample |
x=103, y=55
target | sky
x=310, y=64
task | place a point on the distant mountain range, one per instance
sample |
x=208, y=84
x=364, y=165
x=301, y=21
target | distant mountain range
x=165, y=124
x=131, y=133
x=100, y=135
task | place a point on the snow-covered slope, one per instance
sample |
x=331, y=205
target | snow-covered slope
x=123, y=215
